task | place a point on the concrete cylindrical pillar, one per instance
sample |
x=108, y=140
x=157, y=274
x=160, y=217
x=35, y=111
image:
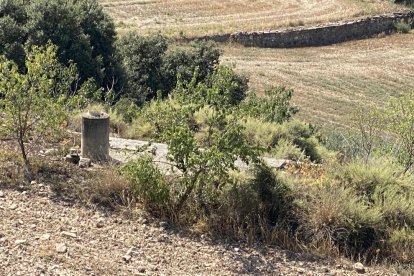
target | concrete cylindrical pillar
x=95, y=136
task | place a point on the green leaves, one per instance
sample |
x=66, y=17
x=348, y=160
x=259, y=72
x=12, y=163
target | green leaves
x=273, y=107
x=400, y=121
x=34, y=104
x=83, y=33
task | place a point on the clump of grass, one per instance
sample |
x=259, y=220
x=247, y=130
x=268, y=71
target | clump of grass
x=285, y=149
x=402, y=27
x=11, y=167
x=107, y=188
x=360, y=209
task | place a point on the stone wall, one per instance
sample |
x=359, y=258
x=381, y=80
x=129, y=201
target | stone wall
x=317, y=35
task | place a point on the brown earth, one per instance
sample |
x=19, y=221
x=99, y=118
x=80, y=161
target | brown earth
x=45, y=233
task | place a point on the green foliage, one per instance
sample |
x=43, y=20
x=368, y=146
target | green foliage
x=286, y=149
x=360, y=208
x=142, y=58
x=259, y=204
x=204, y=167
x=334, y=215
x=127, y=109
x=403, y=27
x=365, y=179
x=82, y=32
x=147, y=181
x=150, y=68
x=400, y=122
x=34, y=103
x=273, y=107
x=182, y=62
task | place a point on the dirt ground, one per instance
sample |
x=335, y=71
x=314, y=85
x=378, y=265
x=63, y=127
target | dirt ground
x=44, y=233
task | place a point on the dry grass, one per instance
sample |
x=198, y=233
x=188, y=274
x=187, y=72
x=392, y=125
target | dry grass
x=200, y=17
x=330, y=81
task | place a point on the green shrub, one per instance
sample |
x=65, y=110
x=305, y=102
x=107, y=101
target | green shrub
x=127, y=109
x=183, y=62
x=400, y=245
x=365, y=179
x=147, y=182
x=257, y=206
x=287, y=150
x=264, y=134
x=337, y=216
x=274, y=106
x=402, y=27
x=83, y=33
x=142, y=58
x=360, y=208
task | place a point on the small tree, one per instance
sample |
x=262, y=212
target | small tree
x=368, y=122
x=400, y=121
x=205, y=170
x=32, y=104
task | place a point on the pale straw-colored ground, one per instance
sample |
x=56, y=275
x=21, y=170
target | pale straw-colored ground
x=200, y=17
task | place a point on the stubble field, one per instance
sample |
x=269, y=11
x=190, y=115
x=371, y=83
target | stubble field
x=328, y=81
x=200, y=17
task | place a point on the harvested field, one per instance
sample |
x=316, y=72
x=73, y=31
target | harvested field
x=330, y=81
x=199, y=17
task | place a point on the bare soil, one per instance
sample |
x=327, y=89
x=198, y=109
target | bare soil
x=44, y=233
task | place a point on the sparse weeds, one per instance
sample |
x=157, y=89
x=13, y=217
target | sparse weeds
x=403, y=27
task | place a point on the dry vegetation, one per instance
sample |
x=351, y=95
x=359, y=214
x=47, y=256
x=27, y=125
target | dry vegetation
x=200, y=17
x=330, y=81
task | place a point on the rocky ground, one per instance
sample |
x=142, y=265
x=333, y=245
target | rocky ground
x=43, y=234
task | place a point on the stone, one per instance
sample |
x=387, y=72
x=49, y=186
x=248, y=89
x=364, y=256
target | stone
x=359, y=268
x=85, y=162
x=19, y=242
x=275, y=163
x=1, y=194
x=45, y=237
x=141, y=270
x=61, y=248
x=13, y=207
x=50, y=152
x=72, y=157
x=126, y=258
x=73, y=151
x=33, y=182
x=69, y=234
x=100, y=223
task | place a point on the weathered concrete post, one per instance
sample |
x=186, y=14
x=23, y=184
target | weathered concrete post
x=95, y=136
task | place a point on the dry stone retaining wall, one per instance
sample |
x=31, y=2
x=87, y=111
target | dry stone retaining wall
x=318, y=35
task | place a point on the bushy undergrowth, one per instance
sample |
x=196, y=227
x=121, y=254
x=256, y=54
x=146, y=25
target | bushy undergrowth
x=360, y=209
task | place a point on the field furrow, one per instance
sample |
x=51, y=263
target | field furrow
x=330, y=81
x=198, y=17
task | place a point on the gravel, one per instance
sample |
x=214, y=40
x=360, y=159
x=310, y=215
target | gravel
x=45, y=236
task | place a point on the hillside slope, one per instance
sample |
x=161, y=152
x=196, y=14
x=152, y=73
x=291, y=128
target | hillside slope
x=43, y=234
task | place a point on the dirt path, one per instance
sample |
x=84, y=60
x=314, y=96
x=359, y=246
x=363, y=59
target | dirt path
x=41, y=234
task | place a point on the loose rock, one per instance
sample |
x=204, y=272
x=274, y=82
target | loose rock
x=45, y=237
x=69, y=234
x=19, y=242
x=61, y=248
x=359, y=268
x=85, y=162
